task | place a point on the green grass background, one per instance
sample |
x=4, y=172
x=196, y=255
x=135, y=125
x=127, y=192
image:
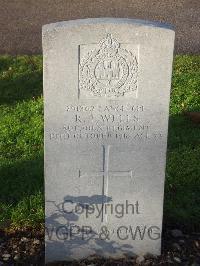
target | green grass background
x=21, y=144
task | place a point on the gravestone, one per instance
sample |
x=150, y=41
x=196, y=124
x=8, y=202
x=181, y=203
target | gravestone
x=106, y=94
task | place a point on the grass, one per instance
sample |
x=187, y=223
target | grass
x=21, y=141
x=21, y=144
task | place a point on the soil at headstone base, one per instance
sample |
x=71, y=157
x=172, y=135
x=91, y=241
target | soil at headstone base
x=26, y=247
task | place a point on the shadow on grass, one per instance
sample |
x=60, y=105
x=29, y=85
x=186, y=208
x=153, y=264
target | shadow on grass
x=21, y=179
x=182, y=188
x=23, y=87
x=21, y=193
x=182, y=133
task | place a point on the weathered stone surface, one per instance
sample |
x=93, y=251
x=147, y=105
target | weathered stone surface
x=106, y=92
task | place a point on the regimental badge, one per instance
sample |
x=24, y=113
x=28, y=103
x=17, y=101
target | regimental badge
x=109, y=70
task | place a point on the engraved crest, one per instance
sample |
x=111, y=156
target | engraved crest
x=109, y=70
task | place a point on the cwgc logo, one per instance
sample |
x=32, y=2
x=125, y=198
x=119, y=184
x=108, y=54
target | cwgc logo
x=109, y=70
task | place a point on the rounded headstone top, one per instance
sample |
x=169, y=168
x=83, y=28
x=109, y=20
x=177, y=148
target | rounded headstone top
x=89, y=21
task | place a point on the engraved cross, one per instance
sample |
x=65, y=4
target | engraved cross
x=106, y=174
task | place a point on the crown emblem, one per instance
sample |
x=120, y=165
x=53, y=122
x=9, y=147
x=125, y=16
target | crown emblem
x=109, y=43
x=109, y=71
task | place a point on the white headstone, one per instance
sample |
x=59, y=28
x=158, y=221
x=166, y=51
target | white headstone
x=106, y=93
